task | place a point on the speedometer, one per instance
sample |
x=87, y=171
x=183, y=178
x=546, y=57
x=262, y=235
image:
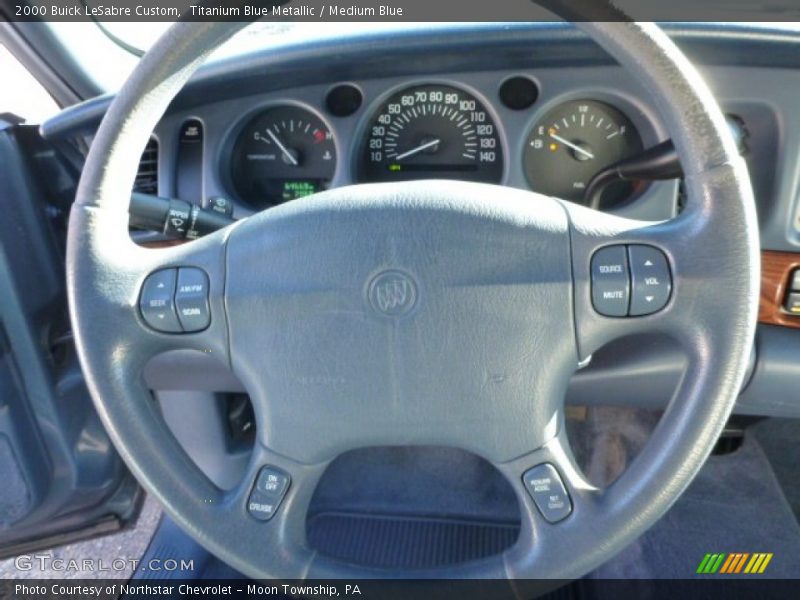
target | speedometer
x=432, y=131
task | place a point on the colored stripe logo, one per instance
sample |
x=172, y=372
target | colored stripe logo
x=736, y=562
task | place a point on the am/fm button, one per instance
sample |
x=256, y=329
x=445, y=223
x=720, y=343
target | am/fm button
x=191, y=299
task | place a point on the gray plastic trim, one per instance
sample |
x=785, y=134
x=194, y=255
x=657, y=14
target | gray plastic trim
x=774, y=389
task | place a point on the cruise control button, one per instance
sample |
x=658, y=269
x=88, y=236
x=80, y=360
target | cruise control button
x=191, y=299
x=262, y=507
x=156, y=301
x=268, y=492
x=271, y=481
x=610, y=281
x=548, y=492
x=651, y=281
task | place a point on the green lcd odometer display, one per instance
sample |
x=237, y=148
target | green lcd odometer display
x=299, y=189
x=284, y=153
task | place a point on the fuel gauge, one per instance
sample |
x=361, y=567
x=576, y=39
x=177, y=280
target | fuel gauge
x=573, y=142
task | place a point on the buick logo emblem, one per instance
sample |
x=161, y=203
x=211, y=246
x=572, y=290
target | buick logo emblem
x=392, y=293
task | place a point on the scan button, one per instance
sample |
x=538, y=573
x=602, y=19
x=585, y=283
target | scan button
x=191, y=299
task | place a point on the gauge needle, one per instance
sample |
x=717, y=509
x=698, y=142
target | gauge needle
x=286, y=152
x=418, y=149
x=569, y=144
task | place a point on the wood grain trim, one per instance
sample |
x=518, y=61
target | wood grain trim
x=776, y=267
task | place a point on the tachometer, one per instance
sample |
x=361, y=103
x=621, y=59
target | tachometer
x=285, y=152
x=432, y=131
x=573, y=142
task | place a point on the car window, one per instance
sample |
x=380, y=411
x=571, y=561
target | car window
x=20, y=93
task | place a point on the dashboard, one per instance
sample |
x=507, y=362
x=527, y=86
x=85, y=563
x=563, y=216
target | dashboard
x=547, y=131
x=426, y=131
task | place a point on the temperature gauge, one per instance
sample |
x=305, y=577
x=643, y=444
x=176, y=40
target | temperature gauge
x=284, y=153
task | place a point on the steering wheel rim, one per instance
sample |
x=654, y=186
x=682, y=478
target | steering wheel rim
x=712, y=244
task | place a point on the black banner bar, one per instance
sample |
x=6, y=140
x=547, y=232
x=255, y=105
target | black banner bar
x=399, y=10
x=740, y=587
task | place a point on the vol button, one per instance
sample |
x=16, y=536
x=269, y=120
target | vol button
x=651, y=281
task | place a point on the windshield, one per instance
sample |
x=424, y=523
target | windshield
x=108, y=52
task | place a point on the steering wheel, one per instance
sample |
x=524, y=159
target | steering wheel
x=426, y=313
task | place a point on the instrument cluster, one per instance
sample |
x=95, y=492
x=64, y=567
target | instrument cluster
x=431, y=130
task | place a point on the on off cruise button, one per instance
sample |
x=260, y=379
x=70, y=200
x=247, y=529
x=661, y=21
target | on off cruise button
x=267, y=493
x=611, y=281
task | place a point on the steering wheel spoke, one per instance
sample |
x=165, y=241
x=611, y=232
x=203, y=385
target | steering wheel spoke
x=268, y=510
x=555, y=500
x=148, y=301
x=634, y=278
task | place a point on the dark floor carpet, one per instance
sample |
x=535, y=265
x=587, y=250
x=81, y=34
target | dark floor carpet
x=734, y=505
x=780, y=439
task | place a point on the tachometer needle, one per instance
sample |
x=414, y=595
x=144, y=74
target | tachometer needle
x=418, y=149
x=283, y=148
x=569, y=144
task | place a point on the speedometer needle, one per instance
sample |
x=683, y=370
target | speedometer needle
x=569, y=144
x=283, y=148
x=418, y=149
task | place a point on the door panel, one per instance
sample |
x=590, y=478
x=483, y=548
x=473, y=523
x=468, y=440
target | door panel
x=60, y=477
